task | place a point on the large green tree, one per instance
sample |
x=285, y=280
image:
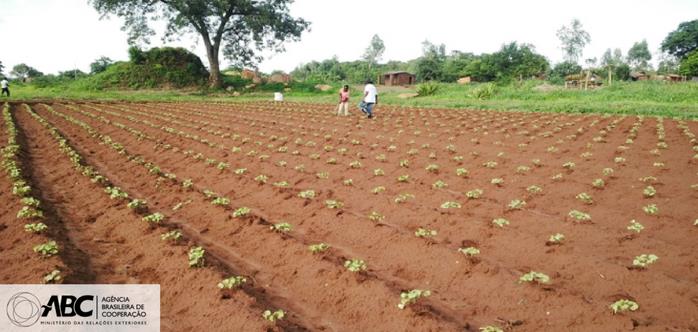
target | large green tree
x=240, y=28
x=689, y=65
x=374, y=51
x=100, y=65
x=639, y=56
x=430, y=65
x=683, y=40
x=573, y=39
x=23, y=72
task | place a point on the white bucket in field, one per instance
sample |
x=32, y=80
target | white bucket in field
x=278, y=96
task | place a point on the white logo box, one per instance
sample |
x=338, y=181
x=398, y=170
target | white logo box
x=118, y=308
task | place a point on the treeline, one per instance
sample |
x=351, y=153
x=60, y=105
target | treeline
x=515, y=61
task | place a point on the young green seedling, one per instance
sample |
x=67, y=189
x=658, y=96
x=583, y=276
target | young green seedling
x=425, y=233
x=35, y=227
x=500, y=222
x=556, y=238
x=474, y=194
x=623, y=305
x=534, y=276
x=282, y=227
x=307, y=194
x=196, y=257
x=649, y=192
x=491, y=328
x=241, y=212
x=232, y=282
x=516, y=204
x=635, y=226
x=586, y=198
x=407, y=298
x=450, y=205
x=273, y=316
x=579, y=216
x=173, y=235
x=318, y=248
x=376, y=217
x=355, y=265
x=153, y=219
x=53, y=277
x=47, y=249
x=469, y=251
x=644, y=260
x=651, y=209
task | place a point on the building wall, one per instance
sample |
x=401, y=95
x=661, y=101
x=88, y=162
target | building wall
x=398, y=79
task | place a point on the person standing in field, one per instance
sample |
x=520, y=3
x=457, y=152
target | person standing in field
x=5, y=87
x=370, y=99
x=343, y=101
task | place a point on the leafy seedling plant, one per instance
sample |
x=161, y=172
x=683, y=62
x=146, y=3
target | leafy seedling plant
x=469, y=251
x=375, y=216
x=644, y=260
x=138, y=205
x=651, y=209
x=35, y=227
x=355, y=265
x=282, y=227
x=173, y=236
x=450, y=205
x=154, y=219
x=579, y=216
x=556, y=238
x=623, y=305
x=333, y=204
x=232, y=282
x=47, y=249
x=425, y=233
x=534, y=276
x=28, y=212
x=516, y=204
x=307, y=194
x=241, y=212
x=53, y=277
x=500, y=222
x=407, y=298
x=635, y=226
x=196, y=257
x=318, y=248
x=491, y=328
x=273, y=316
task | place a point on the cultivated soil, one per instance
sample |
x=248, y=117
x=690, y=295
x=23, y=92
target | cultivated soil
x=179, y=157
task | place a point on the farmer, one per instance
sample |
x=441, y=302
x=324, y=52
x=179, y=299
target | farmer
x=370, y=99
x=343, y=101
x=5, y=87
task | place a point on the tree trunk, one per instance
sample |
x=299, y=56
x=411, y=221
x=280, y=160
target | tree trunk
x=215, y=80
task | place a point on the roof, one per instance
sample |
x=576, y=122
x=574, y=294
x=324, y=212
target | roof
x=397, y=72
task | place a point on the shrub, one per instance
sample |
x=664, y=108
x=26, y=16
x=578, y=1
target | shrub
x=428, y=88
x=484, y=91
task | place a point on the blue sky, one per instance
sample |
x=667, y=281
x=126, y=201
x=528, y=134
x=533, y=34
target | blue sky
x=53, y=35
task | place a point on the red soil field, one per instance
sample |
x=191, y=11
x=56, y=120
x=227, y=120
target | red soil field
x=376, y=184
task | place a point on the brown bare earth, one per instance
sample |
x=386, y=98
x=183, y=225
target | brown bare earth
x=179, y=157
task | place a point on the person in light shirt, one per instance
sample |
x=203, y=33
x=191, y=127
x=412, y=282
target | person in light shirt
x=370, y=99
x=343, y=107
x=5, y=87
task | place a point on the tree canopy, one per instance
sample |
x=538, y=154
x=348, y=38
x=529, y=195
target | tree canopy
x=240, y=28
x=573, y=39
x=639, y=56
x=23, y=72
x=374, y=51
x=683, y=40
x=100, y=65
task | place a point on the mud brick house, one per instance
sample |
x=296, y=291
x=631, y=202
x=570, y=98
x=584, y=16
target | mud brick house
x=397, y=78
